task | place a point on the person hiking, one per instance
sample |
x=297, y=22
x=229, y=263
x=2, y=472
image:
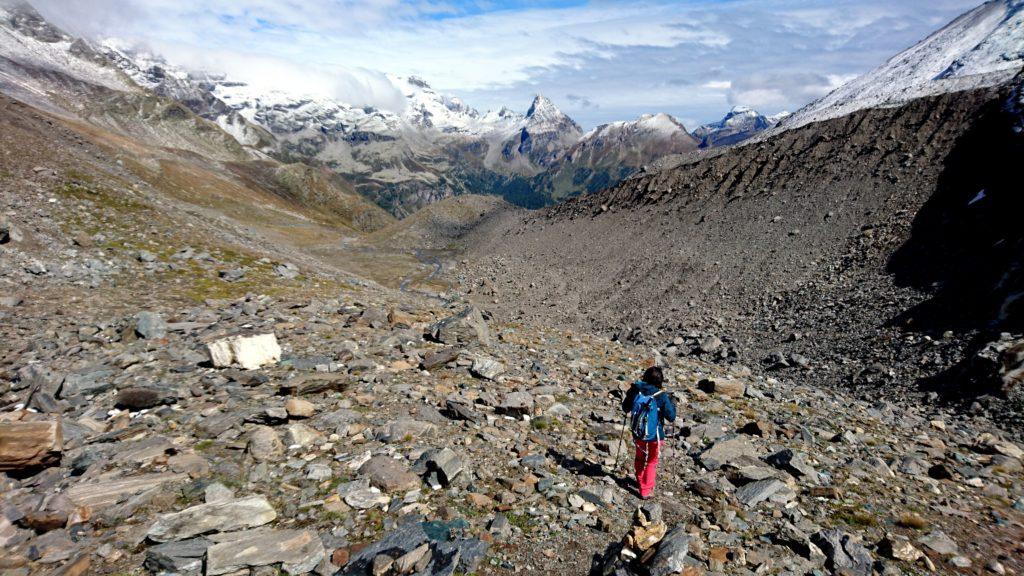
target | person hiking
x=648, y=406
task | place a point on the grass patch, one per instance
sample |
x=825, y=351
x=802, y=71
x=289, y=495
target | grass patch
x=857, y=518
x=521, y=521
x=204, y=445
x=913, y=521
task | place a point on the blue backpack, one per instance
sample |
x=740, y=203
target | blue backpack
x=644, y=418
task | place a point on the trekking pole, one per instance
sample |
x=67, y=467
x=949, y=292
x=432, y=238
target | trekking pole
x=618, y=451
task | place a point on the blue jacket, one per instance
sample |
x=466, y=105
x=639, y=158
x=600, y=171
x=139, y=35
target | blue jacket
x=666, y=409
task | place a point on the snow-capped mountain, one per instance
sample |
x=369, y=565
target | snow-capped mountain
x=983, y=47
x=543, y=136
x=611, y=152
x=739, y=124
x=435, y=146
x=40, y=60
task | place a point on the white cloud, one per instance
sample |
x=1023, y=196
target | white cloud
x=618, y=59
x=717, y=85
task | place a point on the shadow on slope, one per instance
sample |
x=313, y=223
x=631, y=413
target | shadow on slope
x=967, y=247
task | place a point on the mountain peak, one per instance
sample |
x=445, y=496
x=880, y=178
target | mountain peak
x=24, y=18
x=542, y=106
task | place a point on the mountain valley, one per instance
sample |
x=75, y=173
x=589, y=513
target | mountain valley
x=251, y=333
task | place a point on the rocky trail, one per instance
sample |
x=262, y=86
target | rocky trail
x=174, y=403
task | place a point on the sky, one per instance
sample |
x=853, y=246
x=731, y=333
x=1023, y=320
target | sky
x=599, y=61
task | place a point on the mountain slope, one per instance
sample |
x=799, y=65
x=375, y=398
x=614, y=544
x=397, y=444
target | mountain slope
x=611, y=152
x=983, y=47
x=833, y=231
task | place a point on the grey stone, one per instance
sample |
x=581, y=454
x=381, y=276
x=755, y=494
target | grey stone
x=727, y=450
x=150, y=325
x=298, y=551
x=756, y=492
x=466, y=327
x=487, y=368
x=793, y=462
x=389, y=474
x=184, y=557
x=517, y=404
x=445, y=462
x=671, y=555
x=224, y=516
x=940, y=542
x=406, y=429
x=264, y=444
x=843, y=554
x=404, y=539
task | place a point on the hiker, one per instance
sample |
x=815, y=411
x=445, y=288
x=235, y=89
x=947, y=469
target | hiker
x=649, y=406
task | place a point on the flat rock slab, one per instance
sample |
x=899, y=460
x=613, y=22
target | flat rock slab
x=756, y=492
x=214, y=517
x=101, y=493
x=407, y=429
x=297, y=551
x=727, y=450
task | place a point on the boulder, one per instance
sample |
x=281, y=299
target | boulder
x=466, y=327
x=30, y=444
x=756, y=492
x=517, y=404
x=671, y=555
x=406, y=429
x=389, y=474
x=843, y=554
x=248, y=352
x=443, y=465
x=150, y=326
x=184, y=557
x=723, y=386
x=223, y=516
x=487, y=368
x=264, y=444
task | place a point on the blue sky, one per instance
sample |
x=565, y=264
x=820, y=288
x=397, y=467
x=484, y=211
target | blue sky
x=598, y=60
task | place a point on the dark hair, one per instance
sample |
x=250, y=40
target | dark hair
x=654, y=377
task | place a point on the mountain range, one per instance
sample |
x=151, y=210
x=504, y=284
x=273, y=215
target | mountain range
x=436, y=147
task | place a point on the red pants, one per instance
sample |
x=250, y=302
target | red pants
x=646, y=464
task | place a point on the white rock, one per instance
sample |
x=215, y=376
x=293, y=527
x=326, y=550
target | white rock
x=248, y=352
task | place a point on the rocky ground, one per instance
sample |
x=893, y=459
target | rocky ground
x=179, y=398
x=877, y=252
